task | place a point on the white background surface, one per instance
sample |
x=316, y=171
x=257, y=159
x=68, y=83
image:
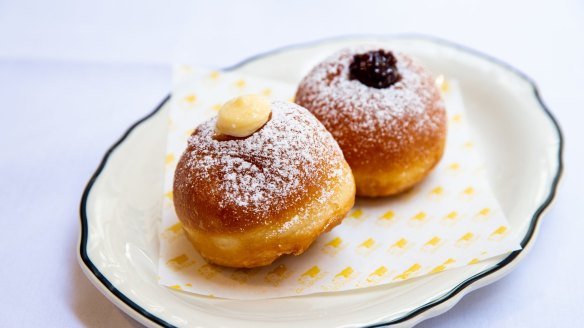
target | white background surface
x=74, y=75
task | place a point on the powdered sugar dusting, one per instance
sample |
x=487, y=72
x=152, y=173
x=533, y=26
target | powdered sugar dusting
x=268, y=172
x=348, y=107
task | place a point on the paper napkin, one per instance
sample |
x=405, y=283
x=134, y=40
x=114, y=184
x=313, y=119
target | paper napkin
x=449, y=220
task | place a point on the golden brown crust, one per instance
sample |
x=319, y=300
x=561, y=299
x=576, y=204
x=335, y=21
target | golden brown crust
x=262, y=246
x=239, y=197
x=392, y=137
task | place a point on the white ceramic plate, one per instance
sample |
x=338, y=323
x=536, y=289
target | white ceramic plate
x=120, y=208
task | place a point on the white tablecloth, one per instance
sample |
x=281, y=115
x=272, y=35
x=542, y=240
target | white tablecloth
x=74, y=75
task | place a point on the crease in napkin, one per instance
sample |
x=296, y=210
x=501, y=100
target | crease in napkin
x=450, y=220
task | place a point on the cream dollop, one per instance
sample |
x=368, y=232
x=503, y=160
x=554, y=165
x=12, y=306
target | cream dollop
x=244, y=115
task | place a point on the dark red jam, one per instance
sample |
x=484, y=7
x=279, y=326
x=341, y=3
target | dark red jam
x=375, y=69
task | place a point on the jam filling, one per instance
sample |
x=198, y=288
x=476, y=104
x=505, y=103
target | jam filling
x=375, y=69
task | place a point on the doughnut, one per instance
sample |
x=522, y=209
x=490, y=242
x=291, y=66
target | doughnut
x=251, y=188
x=384, y=110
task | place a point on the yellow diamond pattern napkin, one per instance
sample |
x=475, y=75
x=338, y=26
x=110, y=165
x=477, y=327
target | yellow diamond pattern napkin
x=449, y=220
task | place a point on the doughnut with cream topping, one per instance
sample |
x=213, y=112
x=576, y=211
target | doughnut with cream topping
x=246, y=200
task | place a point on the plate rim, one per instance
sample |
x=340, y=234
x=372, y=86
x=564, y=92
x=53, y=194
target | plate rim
x=84, y=259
